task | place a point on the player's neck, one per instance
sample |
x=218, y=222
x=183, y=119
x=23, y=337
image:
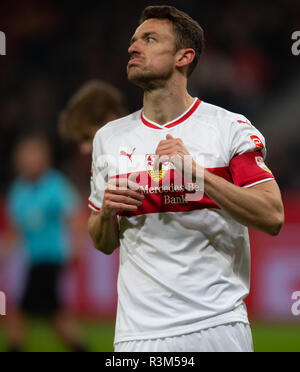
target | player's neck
x=164, y=105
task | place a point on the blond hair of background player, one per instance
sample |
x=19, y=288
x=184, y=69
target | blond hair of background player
x=92, y=106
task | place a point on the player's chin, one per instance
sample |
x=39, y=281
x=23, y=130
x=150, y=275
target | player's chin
x=134, y=70
x=136, y=76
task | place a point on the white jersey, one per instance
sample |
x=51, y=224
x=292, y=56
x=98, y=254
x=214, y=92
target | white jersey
x=184, y=263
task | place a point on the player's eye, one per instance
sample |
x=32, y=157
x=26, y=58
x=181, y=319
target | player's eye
x=150, y=39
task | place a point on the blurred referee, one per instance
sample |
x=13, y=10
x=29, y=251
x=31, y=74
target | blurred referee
x=41, y=204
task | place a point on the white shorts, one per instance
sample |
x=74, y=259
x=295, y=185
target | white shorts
x=232, y=337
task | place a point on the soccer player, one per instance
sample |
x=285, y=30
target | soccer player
x=184, y=261
x=42, y=205
x=93, y=105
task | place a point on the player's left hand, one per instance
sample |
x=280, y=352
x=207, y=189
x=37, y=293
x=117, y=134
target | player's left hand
x=173, y=150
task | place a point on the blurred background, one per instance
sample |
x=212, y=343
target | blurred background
x=248, y=67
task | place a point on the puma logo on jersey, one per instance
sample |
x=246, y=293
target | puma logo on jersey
x=124, y=153
x=244, y=122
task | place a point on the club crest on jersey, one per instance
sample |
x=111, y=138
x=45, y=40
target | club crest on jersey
x=156, y=175
x=261, y=163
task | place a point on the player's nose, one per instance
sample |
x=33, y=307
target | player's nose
x=134, y=49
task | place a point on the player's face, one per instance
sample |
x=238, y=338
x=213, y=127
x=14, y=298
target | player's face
x=32, y=159
x=152, y=53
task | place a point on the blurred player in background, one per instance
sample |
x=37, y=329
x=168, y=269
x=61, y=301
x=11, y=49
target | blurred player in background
x=92, y=106
x=184, y=263
x=42, y=208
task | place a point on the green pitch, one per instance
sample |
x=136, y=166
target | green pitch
x=99, y=337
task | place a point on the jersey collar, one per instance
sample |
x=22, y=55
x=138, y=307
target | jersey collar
x=181, y=119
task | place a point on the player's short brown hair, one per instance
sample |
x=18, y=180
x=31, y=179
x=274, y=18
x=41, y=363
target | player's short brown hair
x=188, y=32
x=89, y=107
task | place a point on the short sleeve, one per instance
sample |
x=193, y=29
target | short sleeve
x=247, y=154
x=98, y=179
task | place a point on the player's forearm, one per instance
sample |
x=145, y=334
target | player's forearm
x=104, y=232
x=260, y=211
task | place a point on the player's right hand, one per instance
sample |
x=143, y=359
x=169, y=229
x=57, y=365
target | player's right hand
x=121, y=194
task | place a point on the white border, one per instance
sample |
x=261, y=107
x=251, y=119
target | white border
x=257, y=183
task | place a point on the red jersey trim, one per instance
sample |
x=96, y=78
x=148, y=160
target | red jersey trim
x=154, y=202
x=172, y=124
x=94, y=207
x=245, y=169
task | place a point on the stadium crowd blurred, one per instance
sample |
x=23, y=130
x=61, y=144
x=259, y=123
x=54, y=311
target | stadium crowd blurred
x=53, y=47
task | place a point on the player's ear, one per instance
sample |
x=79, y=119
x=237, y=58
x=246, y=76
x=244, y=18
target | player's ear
x=185, y=57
